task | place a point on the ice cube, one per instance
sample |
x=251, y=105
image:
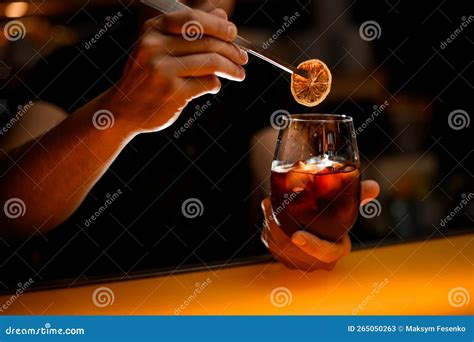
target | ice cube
x=328, y=185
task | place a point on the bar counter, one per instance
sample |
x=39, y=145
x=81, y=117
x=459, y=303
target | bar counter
x=422, y=278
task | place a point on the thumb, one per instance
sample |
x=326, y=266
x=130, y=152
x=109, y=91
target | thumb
x=323, y=250
x=219, y=12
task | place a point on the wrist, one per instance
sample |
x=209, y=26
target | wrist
x=108, y=115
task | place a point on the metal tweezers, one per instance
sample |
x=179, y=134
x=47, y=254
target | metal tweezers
x=168, y=6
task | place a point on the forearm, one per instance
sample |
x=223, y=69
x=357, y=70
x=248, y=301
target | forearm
x=53, y=174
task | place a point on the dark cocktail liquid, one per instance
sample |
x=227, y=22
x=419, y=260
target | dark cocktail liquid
x=321, y=198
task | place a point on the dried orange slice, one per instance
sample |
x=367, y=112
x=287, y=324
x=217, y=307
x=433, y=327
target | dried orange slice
x=312, y=91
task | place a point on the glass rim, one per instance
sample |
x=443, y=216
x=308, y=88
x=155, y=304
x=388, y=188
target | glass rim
x=315, y=117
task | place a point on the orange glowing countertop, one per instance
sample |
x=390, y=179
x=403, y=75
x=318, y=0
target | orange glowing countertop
x=426, y=277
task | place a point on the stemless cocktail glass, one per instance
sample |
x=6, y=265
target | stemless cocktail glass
x=315, y=180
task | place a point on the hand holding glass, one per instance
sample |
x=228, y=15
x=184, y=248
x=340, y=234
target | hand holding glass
x=315, y=180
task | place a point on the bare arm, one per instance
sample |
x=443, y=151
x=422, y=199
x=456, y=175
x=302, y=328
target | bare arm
x=53, y=174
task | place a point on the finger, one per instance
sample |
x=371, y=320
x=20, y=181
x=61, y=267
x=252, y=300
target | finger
x=203, y=6
x=323, y=250
x=198, y=86
x=207, y=64
x=180, y=47
x=272, y=230
x=346, y=244
x=195, y=24
x=267, y=208
x=219, y=12
x=369, y=190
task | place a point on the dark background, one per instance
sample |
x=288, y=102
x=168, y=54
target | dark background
x=423, y=165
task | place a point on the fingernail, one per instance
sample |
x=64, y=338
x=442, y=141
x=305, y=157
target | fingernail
x=243, y=74
x=231, y=32
x=299, y=240
x=243, y=55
